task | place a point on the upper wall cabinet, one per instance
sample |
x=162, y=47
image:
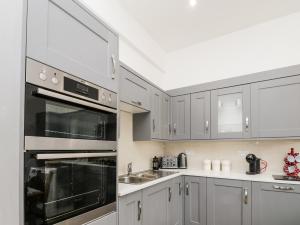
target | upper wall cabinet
x=230, y=111
x=64, y=35
x=134, y=91
x=165, y=117
x=156, y=98
x=200, y=115
x=275, y=108
x=181, y=117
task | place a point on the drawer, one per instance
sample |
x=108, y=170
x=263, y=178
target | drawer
x=134, y=90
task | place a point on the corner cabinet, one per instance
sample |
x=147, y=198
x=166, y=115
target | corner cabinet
x=230, y=112
x=228, y=202
x=130, y=209
x=65, y=35
x=195, y=200
x=200, y=115
x=181, y=117
x=275, y=108
x=275, y=204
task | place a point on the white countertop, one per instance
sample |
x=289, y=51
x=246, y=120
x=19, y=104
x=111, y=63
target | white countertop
x=124, y=189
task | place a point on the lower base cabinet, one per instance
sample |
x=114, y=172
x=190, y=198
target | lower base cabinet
x=275, y=204
x=176, y=205
x=130, y=209
x=195, y=200
x=110, y=219
x=228, y=202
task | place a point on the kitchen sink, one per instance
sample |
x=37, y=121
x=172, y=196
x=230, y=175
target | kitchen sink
x=144, y=176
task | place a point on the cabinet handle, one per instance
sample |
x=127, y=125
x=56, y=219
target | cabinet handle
x=136, y=103
x=247, y=123
x=170, y=129
x=187, y=189
x=245, y=196
x=174, y=128
x=170, y=194
x=282, y=188
x=113, y=60
x=153, y=121
x=206, y=126
x=139, y=210
x=179, y=189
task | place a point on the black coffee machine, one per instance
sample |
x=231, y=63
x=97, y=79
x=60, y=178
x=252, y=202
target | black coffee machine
x=254, y=164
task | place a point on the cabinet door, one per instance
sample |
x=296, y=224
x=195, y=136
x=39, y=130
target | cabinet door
x=228, y=202
x=176, y=202
x=156, y=97
x=195, y=200
x=134, y=90
x=165, y=117
x=200, y=115
x=230, y=112
x=181, y=118
x=64, y=35
x=156, y=205
x=130, y=209
x=275, y=204
x=275, y=108
x=110, y=219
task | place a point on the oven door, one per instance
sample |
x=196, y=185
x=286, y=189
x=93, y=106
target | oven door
x=54, y=121
x=69, y=188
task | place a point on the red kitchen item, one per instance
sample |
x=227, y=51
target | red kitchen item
x=291, y=161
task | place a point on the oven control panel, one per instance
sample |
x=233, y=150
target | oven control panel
x=50, y=78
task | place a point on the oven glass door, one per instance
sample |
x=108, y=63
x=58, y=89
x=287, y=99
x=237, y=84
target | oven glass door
x=52, y=117
x=59, y=189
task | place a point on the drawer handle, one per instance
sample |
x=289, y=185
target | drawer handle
x=136, y=103
x=245, y=196
x=139, y=210
x=282, y=188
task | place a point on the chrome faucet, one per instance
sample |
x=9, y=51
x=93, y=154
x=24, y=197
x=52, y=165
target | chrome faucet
x=129, y=169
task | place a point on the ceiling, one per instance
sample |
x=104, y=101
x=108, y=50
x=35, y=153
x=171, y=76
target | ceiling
x=174, y=24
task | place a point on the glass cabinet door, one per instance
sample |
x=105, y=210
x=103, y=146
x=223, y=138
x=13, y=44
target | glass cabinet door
x=231, y=112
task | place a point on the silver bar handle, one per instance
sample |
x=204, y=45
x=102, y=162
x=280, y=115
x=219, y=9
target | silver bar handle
x=170, y=129
x=73, y=155
x=139, y=210
x=245, y=196
x=283, y=188
x=247, y=123
x=137, y=103
x=179, y=189
x=113, y=60
x=170, y=194
x=153, y=121
x=187, y=189
x=174, y=128
x=51, y=94
x=206, y=126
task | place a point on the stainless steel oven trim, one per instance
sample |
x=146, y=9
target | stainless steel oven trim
x=90, y=216
x=73, y=155
x=43, y=92
x=48, y=143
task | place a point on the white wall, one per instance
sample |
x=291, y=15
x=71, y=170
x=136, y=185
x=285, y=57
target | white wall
x=137, y=48
x=266, y=46
x=11, y=113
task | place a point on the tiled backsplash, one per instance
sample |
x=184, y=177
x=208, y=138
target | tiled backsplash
x=141, y=153
x=273, y=151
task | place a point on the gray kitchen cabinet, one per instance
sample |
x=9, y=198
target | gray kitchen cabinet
x=156, y=204
x=134, y=90
x=130, y=209
x=275, y=108
x=165, y=117
x=181, y=117
x=230, y=112
x=110, y=219
x=176, y=202
x=195, y=200
x=228, y=202
x=200, y=115
x=65, y=35
x=275, y=204
x=156, y=96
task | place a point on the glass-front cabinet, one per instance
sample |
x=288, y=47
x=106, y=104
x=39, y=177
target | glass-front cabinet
x=231, y=112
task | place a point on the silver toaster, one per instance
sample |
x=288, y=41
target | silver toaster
x=169, y=162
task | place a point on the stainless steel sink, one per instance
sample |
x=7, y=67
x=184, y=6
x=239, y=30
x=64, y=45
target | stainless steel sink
x=144, y=176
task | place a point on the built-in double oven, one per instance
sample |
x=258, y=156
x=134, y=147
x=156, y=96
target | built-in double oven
x=70, y=148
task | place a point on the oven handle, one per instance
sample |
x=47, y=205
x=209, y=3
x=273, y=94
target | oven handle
x=73, y=155
x=41, y=91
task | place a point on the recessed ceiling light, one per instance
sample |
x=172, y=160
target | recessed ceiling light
x=193, y=3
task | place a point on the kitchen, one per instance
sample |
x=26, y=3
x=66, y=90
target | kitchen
x=105, y=86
